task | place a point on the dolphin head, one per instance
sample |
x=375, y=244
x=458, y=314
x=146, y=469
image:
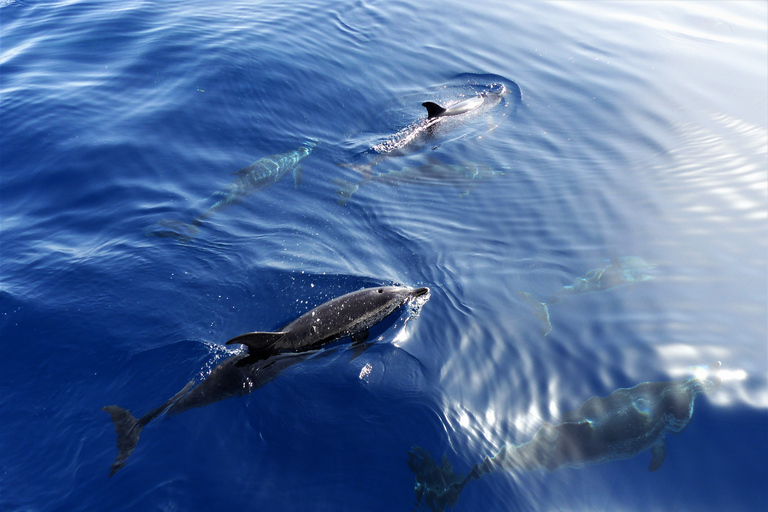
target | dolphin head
x=309, y=144
x=364, y=308
x=499, y=89
x=397, y=295
x=389, y=298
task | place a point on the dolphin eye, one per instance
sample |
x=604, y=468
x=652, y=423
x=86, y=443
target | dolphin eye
x=381, y=290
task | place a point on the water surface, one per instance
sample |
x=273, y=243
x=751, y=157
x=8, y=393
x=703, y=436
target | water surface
x=640, y=130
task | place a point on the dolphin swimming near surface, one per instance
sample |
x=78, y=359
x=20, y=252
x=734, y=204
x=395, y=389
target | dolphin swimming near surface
x=439, y=119
x=261, y=174
x=350, y=315
x=620, y=426
x=465, y=175
x=269, y=354
x=622, y=271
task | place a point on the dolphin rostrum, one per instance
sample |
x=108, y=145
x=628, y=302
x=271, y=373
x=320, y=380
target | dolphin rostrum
x=350, y=315
x=622, y=425
x=261, y=174
x=622, y=271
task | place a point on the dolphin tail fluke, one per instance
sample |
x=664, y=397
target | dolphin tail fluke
x=541, y=310
x=437, y=485
x=127, y=428
x=345, y=190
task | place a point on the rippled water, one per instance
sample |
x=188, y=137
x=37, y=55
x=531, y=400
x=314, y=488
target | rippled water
x=632, y=130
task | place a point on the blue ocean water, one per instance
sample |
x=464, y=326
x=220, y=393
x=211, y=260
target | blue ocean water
x=629, y=130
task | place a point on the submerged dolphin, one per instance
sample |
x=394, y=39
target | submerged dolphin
x=350, y=315
x=622, y=271
x=261, y=174
x=466, y=175
x=622, y=425
x=439, y=119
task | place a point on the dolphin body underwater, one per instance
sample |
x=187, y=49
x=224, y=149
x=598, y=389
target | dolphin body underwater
x=466, y=176
x=269, y=353
x=623, y=271
x=622, y=425
x=261, y=174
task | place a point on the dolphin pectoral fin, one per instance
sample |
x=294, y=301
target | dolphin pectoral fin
x=345, y=190
x=297, y=175
x=358, y=350
x=541, y=310
x=257, y=342
x=433, y=109
x=127, y=428
x=659, y=451
x=360, y=337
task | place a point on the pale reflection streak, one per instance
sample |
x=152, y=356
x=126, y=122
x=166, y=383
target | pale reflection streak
x=737, y=388
x=414, y=310
x=725, y=161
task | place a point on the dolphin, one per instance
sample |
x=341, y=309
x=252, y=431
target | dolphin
x=268, y=355
x=350, y=315
x=261, y=174
x=622, y=425
x=439, y=119
x=466, y=175
x=622, y=271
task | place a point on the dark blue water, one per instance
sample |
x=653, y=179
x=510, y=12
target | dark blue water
x=631, y=130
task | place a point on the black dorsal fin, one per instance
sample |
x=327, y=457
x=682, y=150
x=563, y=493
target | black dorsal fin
x=433, y=109
x=259, y=343
x=243, y=172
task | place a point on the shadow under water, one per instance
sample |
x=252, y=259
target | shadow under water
x=465, y=176
x=624, y=424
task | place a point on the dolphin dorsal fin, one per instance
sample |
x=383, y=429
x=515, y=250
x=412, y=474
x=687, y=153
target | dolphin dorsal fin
x=433, y=109
x=258, y=343
x=243, y=172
